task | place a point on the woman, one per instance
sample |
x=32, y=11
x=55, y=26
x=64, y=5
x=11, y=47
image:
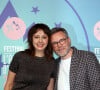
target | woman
x=33, y=69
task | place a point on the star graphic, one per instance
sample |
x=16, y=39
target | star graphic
x=35, y=10
x=58, y=25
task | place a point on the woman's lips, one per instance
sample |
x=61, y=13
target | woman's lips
x=40, y=45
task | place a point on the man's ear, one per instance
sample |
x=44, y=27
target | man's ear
x=69, y=40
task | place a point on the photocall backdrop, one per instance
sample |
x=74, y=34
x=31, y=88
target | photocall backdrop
x=81, y=18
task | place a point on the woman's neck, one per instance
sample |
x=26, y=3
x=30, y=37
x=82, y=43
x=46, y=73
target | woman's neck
x=39, y=53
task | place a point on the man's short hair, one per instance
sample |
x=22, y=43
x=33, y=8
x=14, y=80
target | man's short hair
x=56, y=29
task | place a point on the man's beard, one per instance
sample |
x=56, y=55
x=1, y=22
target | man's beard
x=67, y=51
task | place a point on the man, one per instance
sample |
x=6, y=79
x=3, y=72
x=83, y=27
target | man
x=76, y=69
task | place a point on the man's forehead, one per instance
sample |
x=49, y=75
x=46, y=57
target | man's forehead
x=57, y=36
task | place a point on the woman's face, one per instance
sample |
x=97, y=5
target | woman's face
x=40, y=40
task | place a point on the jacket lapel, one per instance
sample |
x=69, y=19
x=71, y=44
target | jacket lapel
x=73, y=69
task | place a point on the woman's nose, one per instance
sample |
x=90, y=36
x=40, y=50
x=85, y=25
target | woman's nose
x=40, y=40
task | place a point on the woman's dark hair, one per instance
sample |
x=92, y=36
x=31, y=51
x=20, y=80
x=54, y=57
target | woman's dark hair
x=32, y=31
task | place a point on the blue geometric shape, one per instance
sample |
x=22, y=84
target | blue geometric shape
x=8, y=11
x=1, y=64
x=87, y=39
x=26, y=33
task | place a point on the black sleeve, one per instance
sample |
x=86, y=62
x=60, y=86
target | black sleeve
x=93, y=72
x=14, y=63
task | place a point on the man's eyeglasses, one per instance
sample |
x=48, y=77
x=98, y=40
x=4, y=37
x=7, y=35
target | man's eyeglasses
x=61, y=41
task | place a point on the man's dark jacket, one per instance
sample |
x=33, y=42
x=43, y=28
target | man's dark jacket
x=84, y=71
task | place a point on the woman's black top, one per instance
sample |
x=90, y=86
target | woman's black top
x=31, y=73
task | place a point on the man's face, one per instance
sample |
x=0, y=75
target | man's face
x=60, y=43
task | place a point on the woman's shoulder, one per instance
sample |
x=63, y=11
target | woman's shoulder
x=19, y=53
x=26, y=51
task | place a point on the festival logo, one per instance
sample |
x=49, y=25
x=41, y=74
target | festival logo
x=14, y=28
x=97, y=30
